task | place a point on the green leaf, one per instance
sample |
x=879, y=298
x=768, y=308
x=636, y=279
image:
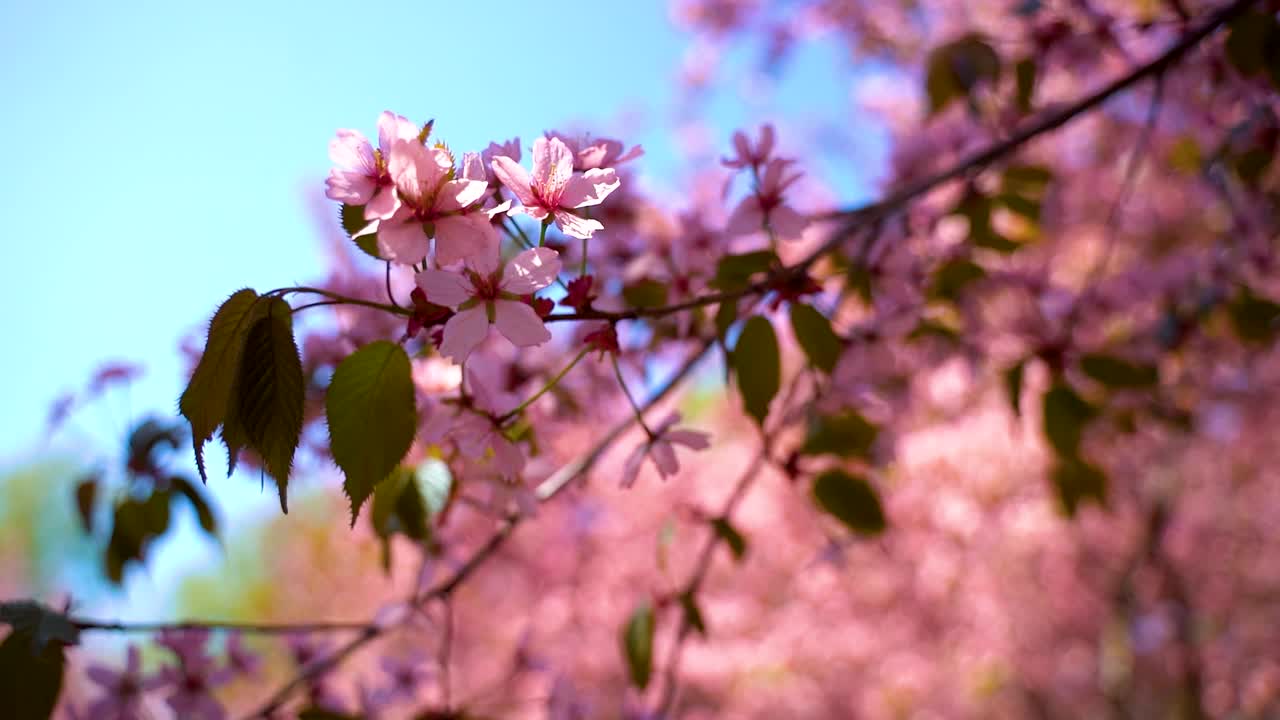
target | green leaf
x=42, y=623
x=637, y=645
x=205, y=401
x=1115, y=372
x=1250, y=42
x=1065, y=416
x=86, y=497
x=645, y=293
x=845, y=435
x=270, y=392
x=859, y=280
x=319, y=713
x=953, y=277
x=204, y=513
x=955, y=69
x=1025, y=74
x=726, y=315
x=1255, y=319
x=30, y=676
x=693, y=615
x=734, y=272
x=731, y=537
x=1031, y=180
x=1028, y=208
x=851, y=500
x=372, y=417
x=813, y=332
x=1013, y=381
x=135, y=524
x=353, y=221
x=1076, y=481
x=759, y=366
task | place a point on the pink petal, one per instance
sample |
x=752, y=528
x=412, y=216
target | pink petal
x=464, y=332
x=473, y=168
x=530, y=271
x=403, y=167
x=552, y=166
x=484, y=263
x=471, y=433
x=515, y=178
x=393, y=127
x=350, y=149
x=458, y=237
x=589, y=188
x=445, y=288
x=103, y=676
x=383, y=205
x=402, y=242
x=519, y=323
x=508, y=461
x=692, y=439
x=787, y=223
x=352, y=188
x=765, y=148
x=746, y=218
x=575, y=226
x=457, y=194
x=632, y=467
x=664, y=458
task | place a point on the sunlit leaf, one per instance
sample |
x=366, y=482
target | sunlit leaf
x=637, y=645
x=692, y=614
x=353, y=221
x=372, y=417
x=813, y=331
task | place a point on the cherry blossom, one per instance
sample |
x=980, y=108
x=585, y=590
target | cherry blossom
x=124, y=689
x=765, y=208
x=486, y=293
x=660, y=448
x=435, y=203
x=553, y=190
x=748, y=155
x=362, y=175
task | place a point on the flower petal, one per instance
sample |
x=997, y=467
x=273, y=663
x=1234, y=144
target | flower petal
x=786, y=223
x=552, y=166
x=519, y=323
x=457, y=194
x=664, y=458
x=575, y=226
x=589, y=188
x=515, y=178
x=444, y=288
x=353, y=188
x=530, y=271
x=692, y=439
x=464, y=332
x=473, y=168
x=384, y=204
x=393, y=127
x=351, y=150
x=458, y=237
x=402, y=241
x=632, y=467
x=747, y=218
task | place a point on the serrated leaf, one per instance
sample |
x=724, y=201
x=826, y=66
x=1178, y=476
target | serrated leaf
x=953, y=277
x=1013, y=382
x=813, y=331
x=758, y=365
x=204, y=513
x=1115, y=372
x=270, y=392
x=731, y=537
x=1076, y=481
x=637, y=645
x=205, y=401
x=851, y=500
x=1065, y=417
x=734, y=272
x=845, y=435
x=372, y=417
x=30, y=676
x=645, y=293
x=352, y=217
x=692, y=614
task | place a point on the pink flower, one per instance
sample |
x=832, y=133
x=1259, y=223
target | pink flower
x=240, y=659
x=477, y=435
x=765, y=209
x=598, y=153
x=553, y=189
x=193, y=681
x=187, y=644
x=123, y=700
x=406, y=674
x=435, y=203
x=748, y=156
x=486, y=293
x=661, y=449
x=362, y=171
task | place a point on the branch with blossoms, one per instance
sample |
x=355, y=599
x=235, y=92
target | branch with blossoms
x=489, y=246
